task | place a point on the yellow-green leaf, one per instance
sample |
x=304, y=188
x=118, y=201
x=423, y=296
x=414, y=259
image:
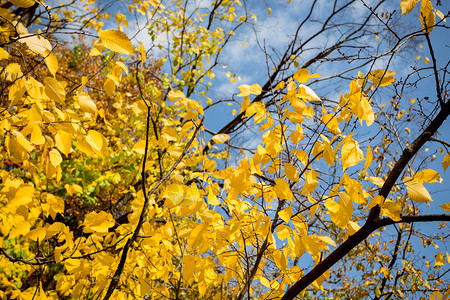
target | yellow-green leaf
x=416, y=191
x=116, y=41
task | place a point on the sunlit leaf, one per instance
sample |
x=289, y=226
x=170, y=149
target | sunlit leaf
x=23, y=3
x=54, y=90
x=51, y=61
x=220, y=138
x=416, y=191
x=407, y=5
x=116, y=41
x=427, y=16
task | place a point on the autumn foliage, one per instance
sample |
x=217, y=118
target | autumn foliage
x=113, y=187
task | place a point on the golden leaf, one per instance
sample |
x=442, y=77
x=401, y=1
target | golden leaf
x=63, y=141
x=351, y=154
x=51, y=61
x=116, y=41
x=416, y=191
x=54, y=90
x=407, y=6
x=23, y=3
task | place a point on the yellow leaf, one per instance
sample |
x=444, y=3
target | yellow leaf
x=255, y=89
x=36, y=43
x=212, y=199
x=175, y=95
x=245, y=104
x=381, y=77
x=305, y=92
x=427, y=16
x=86, y=103
x=23, y=3
x=332, y=123
x=282, y=189
x=407, y=6
x=416, y=191
x=440, y=14
x=264, y=280
x=310, y=182
x=36, y=135
x=220, y=138
x=286, y=214
x=109, y=86
x=245, y=90
x=3, y=54
x=116, y=41
x=97, y=141
x=445, y=206
x=280, y=86
x=73, y=189
x=51, y=61
x=375, y=200
x=54, y=90
x=369, y=159
x=24, y=144
x=55, y=228
x=19, y=229
x=283, y=232
x=351, y=154
x=37, y=234
x=63, y=141
x=55, y=205
x=391, y=209
x=291, y=172
x=55, y=157
x=376, y=180
x=94, y=52
x=139, y=147
x=174, y=195
x=143, y=52
x=427, y=176
x=98, y=222
x=327, y=240
x=303, y=76
x=440, y=261
x=446, y=161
